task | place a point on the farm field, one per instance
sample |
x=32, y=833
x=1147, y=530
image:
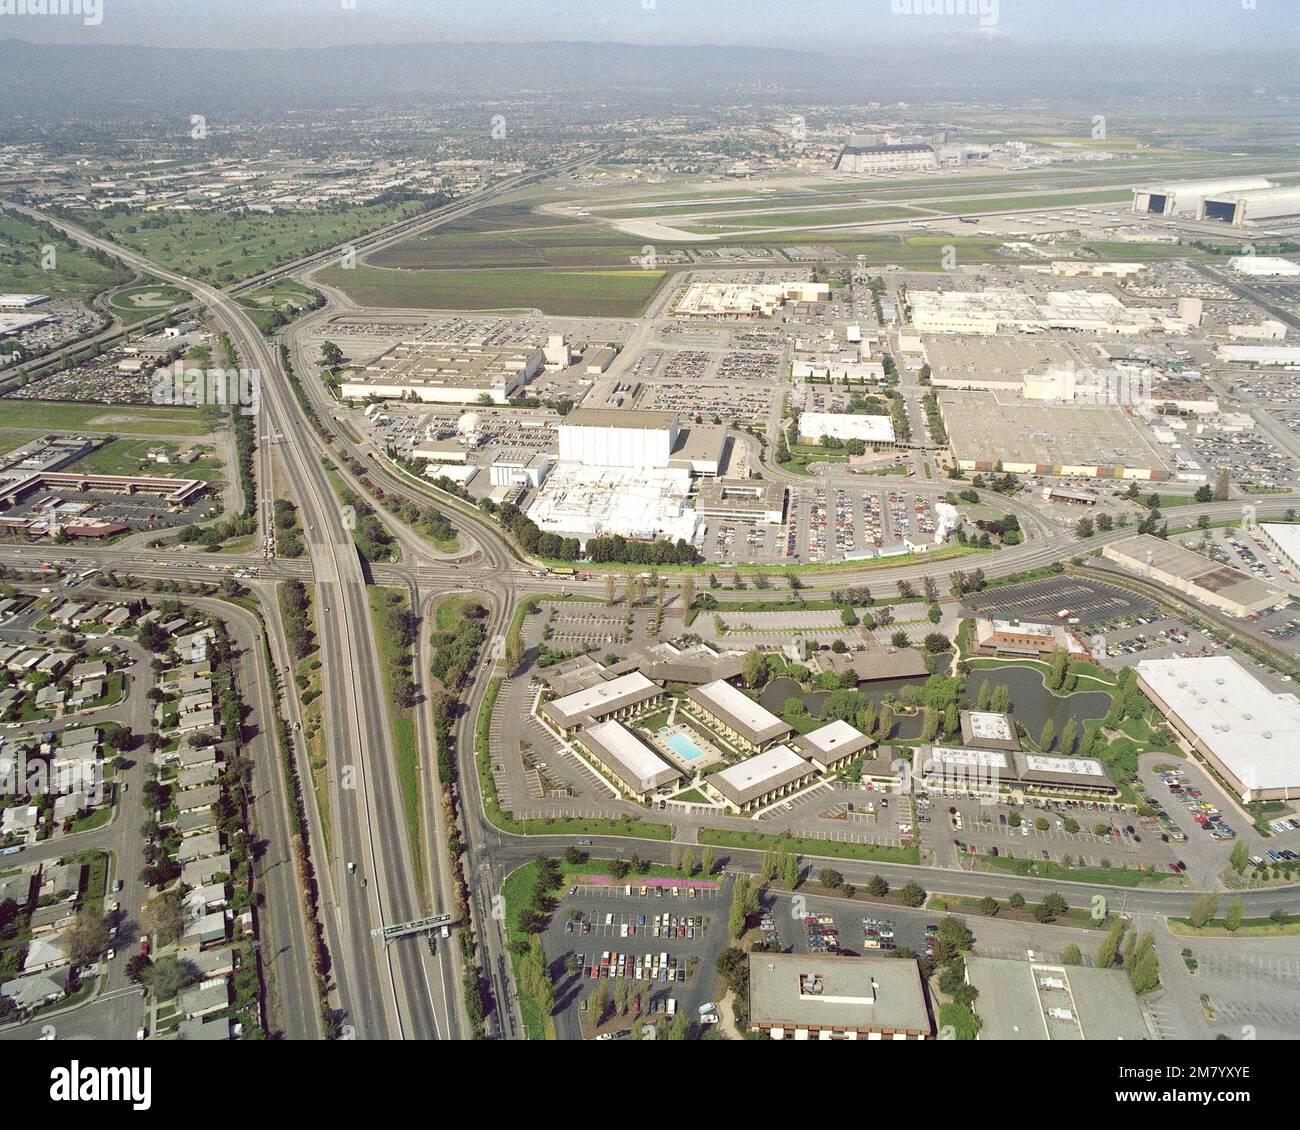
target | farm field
x=60, y=416
x=595, y=293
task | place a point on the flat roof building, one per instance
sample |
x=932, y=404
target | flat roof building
x=1185, y=571
x=741, y=719
x=742, y=500
x=636, y=768
x=1024, y=1000
x=445, y=372
x=874, y=431
x=812, y=997
x=989, y=729
x=1248, y=734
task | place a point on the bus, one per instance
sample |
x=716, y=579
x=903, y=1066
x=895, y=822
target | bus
x=556, y=572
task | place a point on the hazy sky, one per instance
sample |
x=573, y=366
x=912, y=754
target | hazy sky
x=839, y=26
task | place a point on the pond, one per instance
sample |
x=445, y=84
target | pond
x=1031, y=703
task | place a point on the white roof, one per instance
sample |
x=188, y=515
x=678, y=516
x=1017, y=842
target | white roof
x=721, y=693
x=846, y=425
x=584, y=701
x=755, y=771
x=1287, y=537
x=833, y=735
x=636, y=762
x=954, y=755
x=1254, y=732
x=989, y=724
x=1082, y=766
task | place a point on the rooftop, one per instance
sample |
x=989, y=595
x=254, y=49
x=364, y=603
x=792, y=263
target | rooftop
x=859, y=993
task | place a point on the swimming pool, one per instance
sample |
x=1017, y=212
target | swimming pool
x=684, y=747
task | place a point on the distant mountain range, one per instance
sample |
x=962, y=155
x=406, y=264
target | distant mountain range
x=100, y=80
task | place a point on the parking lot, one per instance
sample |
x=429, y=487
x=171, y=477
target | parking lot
x=662, y=940
x=1092, y=603
x=838, y=523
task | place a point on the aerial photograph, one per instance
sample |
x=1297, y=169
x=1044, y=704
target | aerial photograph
x=676, y=520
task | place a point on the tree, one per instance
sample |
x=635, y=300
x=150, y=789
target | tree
x=878, y=887
x=754, y=669
x=1240, y=856
x=1203, y=909
x=87, y=937
x=706, y=862
x=982, y=700
x=829, y=877
x=988, y=906
x=936, y=643
x=1068, y=732
x=1109, y=949
x=1016, y=901
x=1233, y=915
x=913, y=894
x=738, y=919
x=1071, y=955
x=167, y=977
x=1047, y=735
x=688, y=863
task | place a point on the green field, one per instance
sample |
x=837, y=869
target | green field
x=227, y=246
x=808, y=219
x=130, y=457
x=59, y=416
x=595, y=293
x=273, y=306
x=136, y=303
x=77, y=273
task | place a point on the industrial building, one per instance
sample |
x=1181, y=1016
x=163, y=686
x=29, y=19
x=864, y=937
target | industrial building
x=887, y=158
x=735, y=301
x=613, y=698
x=625, y=471
x=1248, y=734
x=1221, y=586
x=637, y=769
x=1284, y=356
x=1261, y=205
x=997, y=308
x=757, y=781
x=1002, y=431
x=1187, y=198
x=815, y=997
x=1264, y=266
x=742, y=500
x=739, y=718
x=1029, y=1000
x=445, y=373
x=1284, y=539
x=876, y=432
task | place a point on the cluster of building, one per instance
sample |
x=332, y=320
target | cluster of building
x=713, y=301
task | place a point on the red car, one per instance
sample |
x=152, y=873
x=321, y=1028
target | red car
x=144, y=945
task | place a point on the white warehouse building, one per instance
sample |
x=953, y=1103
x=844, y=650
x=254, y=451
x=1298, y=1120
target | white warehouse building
x=1186, y=198
x=875, y=431
x=613, y=437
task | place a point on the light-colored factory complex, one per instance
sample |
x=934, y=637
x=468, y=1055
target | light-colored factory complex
x=1002, y=431
x=628, y=472
x=1220, y=586
x=734, y=301
x=1248, y=734
x=445, y=373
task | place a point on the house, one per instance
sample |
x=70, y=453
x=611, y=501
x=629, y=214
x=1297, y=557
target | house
x=760, y=779
x=201, y=901
x=196, y=821
x=199, y=847
x=36, y=989
x=49, y=697
x=19, y=821
x=45, y=952
x=188, y=800
x=89, y=691
x=205, y=999
x=200, y=872
x=190, y=756
x=740, y=719
x=197, y=720
x=194, y=776
x=68, y=805
x=116, y=617
x=91, y=669
x=207, y=930
x=831, y=745
x=201, y=1030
